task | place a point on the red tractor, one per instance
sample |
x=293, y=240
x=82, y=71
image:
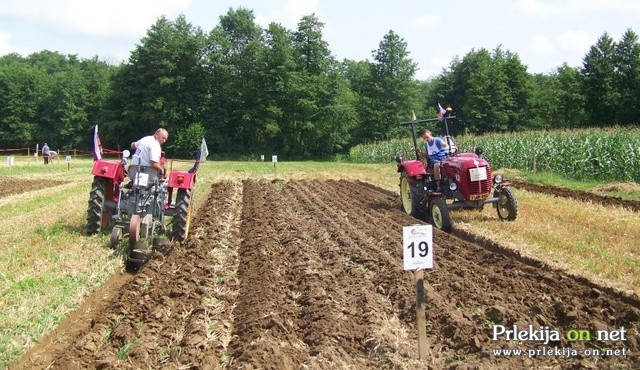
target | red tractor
x=467, y=183
x=138, y=204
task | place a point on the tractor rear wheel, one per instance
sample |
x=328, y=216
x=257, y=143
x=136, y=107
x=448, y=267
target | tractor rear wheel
x=97, y=218
x=182, y=216
x=507, y=205
x=440, y=216
x=411, y=196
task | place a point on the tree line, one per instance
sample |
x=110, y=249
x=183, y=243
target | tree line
x=250, y=90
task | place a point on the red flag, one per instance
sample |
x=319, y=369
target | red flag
x=441, y=112
x=97, y=146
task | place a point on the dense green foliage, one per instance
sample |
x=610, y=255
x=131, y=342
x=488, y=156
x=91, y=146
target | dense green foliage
x=611, y=154
x=250, y=90
x=50, y=98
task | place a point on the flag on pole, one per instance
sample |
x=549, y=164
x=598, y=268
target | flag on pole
x=204, y=151
x=441, y=112
x=97, y=146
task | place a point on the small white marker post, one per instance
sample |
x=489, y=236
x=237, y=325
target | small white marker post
x=274, y=159
x=68, y=160
x=417, y=245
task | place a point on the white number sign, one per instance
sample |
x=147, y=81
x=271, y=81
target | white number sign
x=142, y=179
x=478, y=174
x=417, y=245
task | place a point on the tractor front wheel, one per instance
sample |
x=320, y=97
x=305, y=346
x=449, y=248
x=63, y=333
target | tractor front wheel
x=507, y=205
x=440, y=216
x=182, y=216
x=97, y=217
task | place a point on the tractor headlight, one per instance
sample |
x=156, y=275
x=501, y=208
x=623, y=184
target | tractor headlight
x=399, y=158
x=453, y=186
x=497, y=179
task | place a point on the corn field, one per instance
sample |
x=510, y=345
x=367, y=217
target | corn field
x=611, y=154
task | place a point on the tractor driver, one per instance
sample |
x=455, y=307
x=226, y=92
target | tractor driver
x=148, y=150
x=436, y=151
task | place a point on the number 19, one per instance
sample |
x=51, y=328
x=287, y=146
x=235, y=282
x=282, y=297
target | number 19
x=423, y=249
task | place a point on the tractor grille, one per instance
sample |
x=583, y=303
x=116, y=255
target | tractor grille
x=482, y=187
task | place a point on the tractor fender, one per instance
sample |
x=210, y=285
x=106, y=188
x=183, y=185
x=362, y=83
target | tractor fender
x=109, y=170
x=413, y=168
x=181, y=179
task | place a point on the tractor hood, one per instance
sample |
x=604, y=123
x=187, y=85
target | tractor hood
x=465, y=161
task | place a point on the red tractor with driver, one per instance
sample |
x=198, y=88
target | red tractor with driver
x=467, y=183
x=138, y=204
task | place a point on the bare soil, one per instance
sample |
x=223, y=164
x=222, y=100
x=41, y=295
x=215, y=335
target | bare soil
x=309, y=274
x=15, y=185
x=583, y=196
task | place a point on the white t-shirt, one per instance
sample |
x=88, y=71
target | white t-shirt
x=147, y=149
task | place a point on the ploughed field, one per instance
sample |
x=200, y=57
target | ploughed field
x=9, y=185
x=309, y=274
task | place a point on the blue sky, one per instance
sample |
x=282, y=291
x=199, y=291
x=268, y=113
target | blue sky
x=544, y=33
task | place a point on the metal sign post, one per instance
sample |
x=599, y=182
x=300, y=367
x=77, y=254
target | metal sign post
x=417, y=248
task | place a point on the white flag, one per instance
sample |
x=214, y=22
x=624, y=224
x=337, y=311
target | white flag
x=441, y=112
x=97, y=146
x=204, y=151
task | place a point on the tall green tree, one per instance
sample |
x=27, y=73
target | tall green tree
x=546, y=101
x=63, y=116
x=279, y=63
x=572, y=98
x=393, y=89
x=312, y=52
x=321, y=114
x=519, y=87
x=162, y=85
x=97, y=80
x=361, y=84
x=558, y=100
x=472, y=89
x=234, y=47
x=53, y=98
x=22, y=89
x=627, y=65
x=599, y=77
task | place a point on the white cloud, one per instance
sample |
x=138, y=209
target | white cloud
x=432, y=67
x=542, y=46
x=572, y=8
x=96, y=18
x=627, y=7
x=7, y=46
x=290, y=14
x=538, y=8
x=425, y=21
x=5, y=43
x=575, y=42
